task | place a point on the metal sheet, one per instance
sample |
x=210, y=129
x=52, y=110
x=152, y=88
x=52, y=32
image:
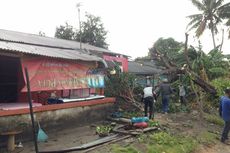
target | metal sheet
x=47, y=51
x=48, y=41
x=144, y=69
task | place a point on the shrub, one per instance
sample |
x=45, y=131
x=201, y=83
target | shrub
x=220, y=84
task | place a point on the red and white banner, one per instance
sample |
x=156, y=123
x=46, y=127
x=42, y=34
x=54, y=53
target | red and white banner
x=56, y=74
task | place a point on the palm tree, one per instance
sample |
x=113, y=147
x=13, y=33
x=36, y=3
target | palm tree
x=224, y=12
x=212, y=14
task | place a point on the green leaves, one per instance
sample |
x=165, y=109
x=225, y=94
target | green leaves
x=212, y=12
x=103, y=130
x=65, y=32
x=92, y=32
x=200, y=6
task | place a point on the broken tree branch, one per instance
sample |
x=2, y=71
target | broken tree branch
x=186, y=51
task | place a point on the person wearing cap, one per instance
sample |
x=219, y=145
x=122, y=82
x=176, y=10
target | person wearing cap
x=224, y=111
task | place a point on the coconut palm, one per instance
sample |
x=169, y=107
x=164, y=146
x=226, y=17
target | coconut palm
x=212, y=14
x=224, y=13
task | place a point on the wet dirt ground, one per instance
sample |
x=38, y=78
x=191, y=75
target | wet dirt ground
x=73, y=137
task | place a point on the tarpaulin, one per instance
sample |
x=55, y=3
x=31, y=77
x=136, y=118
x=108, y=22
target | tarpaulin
x=55, y=74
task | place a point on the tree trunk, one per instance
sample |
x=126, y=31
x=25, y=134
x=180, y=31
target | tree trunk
x=198, y=101
x=222, y=41
x=213, y=35
x=186, y=51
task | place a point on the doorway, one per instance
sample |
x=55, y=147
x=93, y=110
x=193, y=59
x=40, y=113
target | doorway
x=9, y=73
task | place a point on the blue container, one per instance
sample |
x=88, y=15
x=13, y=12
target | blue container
x=139, y=119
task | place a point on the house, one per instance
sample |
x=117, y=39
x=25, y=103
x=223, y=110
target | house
x=147, y=72
x=57, y=68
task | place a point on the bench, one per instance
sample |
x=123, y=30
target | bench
x=11, y=139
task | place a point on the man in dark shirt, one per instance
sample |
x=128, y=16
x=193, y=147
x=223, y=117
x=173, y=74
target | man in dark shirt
x=225, y=114
x=165, y=90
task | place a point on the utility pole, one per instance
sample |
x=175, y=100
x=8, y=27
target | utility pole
x=79, y=19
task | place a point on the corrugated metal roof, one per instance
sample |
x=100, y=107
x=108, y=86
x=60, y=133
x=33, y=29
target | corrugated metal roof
x=138, y=68
x=47, y=41
x=47, y=51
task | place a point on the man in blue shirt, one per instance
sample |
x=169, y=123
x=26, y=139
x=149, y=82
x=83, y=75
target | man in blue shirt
x=225, y=114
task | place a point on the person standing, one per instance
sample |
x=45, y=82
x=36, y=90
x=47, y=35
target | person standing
x=148, y=101
x=182, y=94
x=224, y=111
x=165, y=91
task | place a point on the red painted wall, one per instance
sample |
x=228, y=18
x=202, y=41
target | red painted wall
x=122, y=60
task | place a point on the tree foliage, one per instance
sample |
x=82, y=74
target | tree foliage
x=123, y=85
x=65, y=32
x=168, y=47
x=209, y=65
x=212, y=12
x=41, y=33
x=93, y=32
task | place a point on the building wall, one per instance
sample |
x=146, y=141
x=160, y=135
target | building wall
x=121, y=59
x=56, y=119
x=41, y=96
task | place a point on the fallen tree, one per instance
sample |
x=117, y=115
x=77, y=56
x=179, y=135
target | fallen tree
x=173, y=69
x=124, y=86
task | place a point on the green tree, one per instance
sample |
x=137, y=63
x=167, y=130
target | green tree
x=225, y=14
x=93, y=32
x=212, y=14
x=41, y=33
x=169, y=47
x=212, y=65
x=65, y=32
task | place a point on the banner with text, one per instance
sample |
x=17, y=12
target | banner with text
x=55, y=74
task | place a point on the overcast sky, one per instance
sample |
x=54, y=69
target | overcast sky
x=132, y=25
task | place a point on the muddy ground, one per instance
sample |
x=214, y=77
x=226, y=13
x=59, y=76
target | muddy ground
x=178, y=123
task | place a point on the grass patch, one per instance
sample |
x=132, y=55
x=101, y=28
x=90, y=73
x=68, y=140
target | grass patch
x=162, y=142
x=119, y=149
x=207, y=138
x=214, y=119
x=152, y=123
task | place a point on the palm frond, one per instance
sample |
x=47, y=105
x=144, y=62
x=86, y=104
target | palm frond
x=219, y=3
x=217, y=19
x=195, y=16
x=225, y=6
x=218, y=70
x=228, y=23
x=224, y=11
x=198, y=4
x=211, y=5
x=195, y=21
